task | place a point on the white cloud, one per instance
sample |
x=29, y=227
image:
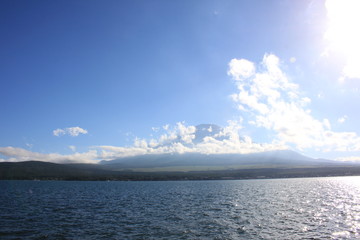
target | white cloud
x=75, y=131
x=20, y=154
x=29, y=145
x=349, y=159
x=234, y=143
x=186, y=133
x=326, y=123
x=72, y=131
x=342, y=119
x=59, y=132
x=155, y=129
x=352, y=69
x=178, y=139
x=274, y=103
x=241, y=69
x=73, y=148
x=112, y=152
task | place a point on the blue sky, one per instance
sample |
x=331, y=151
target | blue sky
x=90, y=80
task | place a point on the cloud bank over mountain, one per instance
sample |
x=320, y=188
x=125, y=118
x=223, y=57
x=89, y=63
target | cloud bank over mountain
x=20, y=154
x=266, y=98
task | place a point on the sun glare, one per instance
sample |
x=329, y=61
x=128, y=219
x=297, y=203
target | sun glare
x=343, y=33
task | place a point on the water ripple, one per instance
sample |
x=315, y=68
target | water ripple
x=317, y=208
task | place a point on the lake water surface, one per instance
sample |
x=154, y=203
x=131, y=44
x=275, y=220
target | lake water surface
x=307, y=208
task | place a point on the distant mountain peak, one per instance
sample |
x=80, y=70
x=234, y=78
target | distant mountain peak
x=276, y=158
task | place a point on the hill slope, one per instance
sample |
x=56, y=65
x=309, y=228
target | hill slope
x=46, y=170
x=274, y=164
x=33, y=170
x=196, y=161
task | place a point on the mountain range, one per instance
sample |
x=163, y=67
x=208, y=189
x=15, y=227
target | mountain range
x=274, y=164
x=176, y=166
x=197, y=161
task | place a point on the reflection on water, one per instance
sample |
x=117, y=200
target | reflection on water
x=312, y=208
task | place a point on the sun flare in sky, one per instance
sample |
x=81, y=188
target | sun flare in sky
x=85, y=81
x=343, y=33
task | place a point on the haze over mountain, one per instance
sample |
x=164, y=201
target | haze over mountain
x=193, y=165
x=201, y=161
x=276, y=164
x=197, y=161
x=224, y=161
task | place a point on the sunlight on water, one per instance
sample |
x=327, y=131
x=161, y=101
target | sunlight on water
x=309, y=208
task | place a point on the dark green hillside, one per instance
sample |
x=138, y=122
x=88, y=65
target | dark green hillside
x=50, y=171
x=46, y=170
x=197, y=161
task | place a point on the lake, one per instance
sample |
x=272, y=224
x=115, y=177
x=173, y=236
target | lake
x=302, y=208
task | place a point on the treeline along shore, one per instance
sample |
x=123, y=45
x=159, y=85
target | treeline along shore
x=35, y=170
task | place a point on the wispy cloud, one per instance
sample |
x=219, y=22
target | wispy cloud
x=349, y=159
x=20, y=154
x=29, y=145
x=72, y=131
x=342, y=119
x=72, y=148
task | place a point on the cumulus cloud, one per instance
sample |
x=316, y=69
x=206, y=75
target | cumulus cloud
x=275, y=103
x=72, y=131
x=180, y=139
x=241, y=69
x=20, y=154
x=58, y=132
x=186, y=133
